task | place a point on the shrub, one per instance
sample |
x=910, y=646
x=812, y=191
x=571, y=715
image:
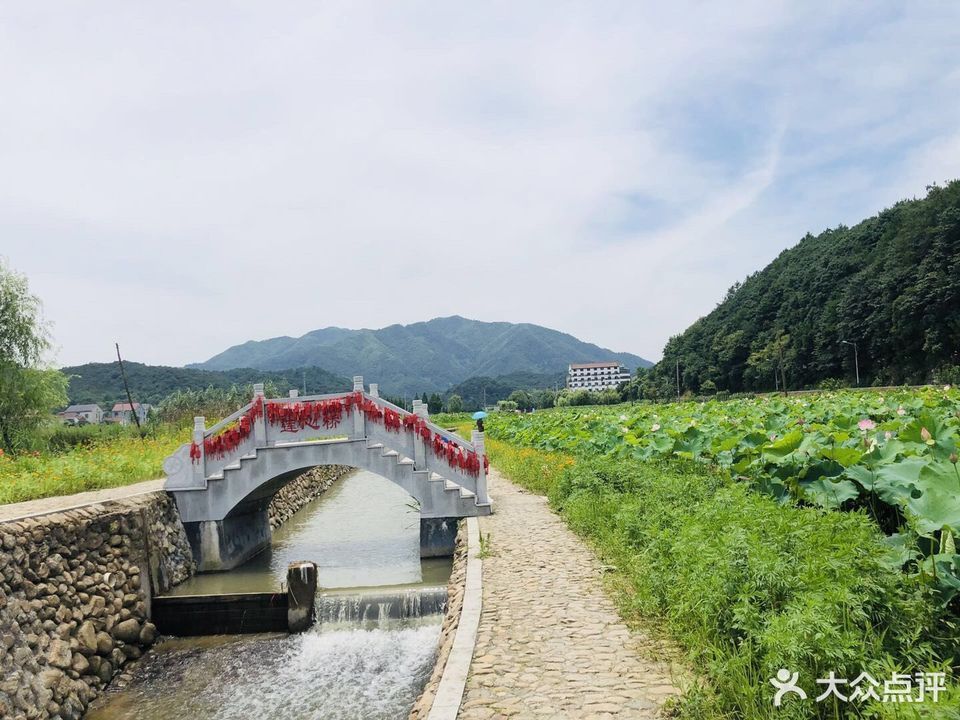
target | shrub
x=831, y=384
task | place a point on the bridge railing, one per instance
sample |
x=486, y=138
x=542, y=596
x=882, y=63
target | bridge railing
x=270, y=422
x=426, y=458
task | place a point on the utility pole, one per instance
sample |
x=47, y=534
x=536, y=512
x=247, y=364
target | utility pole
x=123, y=374
x=678, y=379
x=856, y=359
x=304, y=382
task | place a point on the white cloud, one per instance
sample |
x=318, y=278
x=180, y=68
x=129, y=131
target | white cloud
x=181, y=178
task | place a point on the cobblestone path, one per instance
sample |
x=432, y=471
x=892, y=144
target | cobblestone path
x=550, y=642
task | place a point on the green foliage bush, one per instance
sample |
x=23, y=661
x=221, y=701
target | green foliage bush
x=749, y=586
x=58, y=438
x=831, y=384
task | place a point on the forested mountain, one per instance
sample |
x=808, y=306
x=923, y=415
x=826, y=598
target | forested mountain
x=474, y=391
x=101, y=382
x=891, y=284
x=426, y=355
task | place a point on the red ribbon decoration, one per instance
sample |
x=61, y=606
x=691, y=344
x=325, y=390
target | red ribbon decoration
x=229, y=439
x=329, y=414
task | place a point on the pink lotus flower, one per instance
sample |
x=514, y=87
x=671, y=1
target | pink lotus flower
x=900, y=411
x=654, y=427
x=925, y=434
x=866, y=424
x=888, y=435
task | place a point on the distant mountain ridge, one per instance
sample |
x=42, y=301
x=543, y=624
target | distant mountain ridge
x=424, y=356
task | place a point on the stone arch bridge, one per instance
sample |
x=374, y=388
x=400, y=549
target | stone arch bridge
x=224, y=479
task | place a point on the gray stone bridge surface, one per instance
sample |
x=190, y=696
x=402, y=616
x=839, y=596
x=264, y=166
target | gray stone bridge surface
x=224, y=479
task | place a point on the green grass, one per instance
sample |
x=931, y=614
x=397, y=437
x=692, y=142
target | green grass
x=745, y=585
x=93, y=463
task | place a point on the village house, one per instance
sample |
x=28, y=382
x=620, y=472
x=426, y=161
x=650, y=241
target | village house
x=82, y=415
x=122, y=414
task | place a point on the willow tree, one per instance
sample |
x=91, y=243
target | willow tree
x=29, y=390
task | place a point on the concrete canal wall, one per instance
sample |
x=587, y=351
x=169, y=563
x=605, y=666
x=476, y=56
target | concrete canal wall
x=76, y=590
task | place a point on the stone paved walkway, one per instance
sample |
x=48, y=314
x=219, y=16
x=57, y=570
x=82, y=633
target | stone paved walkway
x=550, y=643
x=48, y=505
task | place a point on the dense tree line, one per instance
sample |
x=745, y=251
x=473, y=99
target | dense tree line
x=101, y=382
x=477, y=390
x=890, y=285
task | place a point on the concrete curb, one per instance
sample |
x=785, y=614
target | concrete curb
x=446, y=703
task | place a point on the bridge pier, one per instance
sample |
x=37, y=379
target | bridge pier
x=438, y=536
x=220, y=545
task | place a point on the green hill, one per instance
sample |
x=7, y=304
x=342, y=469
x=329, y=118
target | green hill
x=890, y=284
x=101, y=382
x=427, y=355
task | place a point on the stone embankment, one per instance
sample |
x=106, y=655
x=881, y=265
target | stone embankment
x=297, y=493
x=76, y=588
x=448, y=630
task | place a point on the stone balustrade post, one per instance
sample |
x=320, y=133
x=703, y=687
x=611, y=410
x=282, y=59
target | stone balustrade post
x=199, y=465
x=260, y=424
x=294, y=393
x=479, y=447
x=419, y=447
x=374, y=390
x=359, y=425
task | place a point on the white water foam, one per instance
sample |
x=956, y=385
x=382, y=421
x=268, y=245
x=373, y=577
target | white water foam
x=339, y=675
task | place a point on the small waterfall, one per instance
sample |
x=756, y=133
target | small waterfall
x=380, y=610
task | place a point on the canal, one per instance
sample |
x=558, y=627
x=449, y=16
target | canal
x=379, y=612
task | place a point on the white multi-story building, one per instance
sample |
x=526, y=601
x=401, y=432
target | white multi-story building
x=596, y=376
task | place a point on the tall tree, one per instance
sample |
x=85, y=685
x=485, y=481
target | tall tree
x=28, y=389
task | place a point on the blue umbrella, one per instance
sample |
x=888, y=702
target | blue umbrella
x=479, y=415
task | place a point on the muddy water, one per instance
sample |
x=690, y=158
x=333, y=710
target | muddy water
x=367, y=660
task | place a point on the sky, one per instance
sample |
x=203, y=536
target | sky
x=180, y=177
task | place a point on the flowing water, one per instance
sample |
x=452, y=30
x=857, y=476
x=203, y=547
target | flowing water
x=368, y=656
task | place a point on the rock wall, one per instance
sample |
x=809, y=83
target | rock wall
x=455, y=590
x=297, y=493
x=75, y=590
